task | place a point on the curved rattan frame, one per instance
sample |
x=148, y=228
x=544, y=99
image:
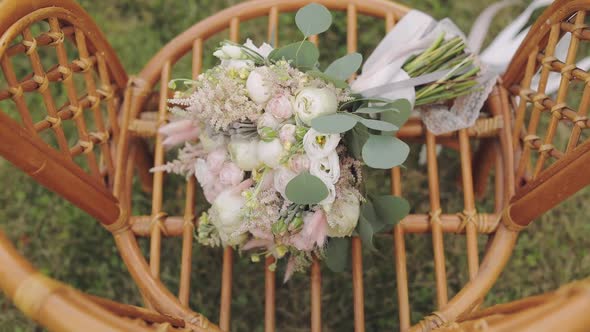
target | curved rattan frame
x=44, y=163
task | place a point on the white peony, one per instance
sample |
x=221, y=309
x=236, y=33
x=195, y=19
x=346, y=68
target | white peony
x=280, y=106
x=226, y=216
x=270, y=153
x=258, y=89
x=344, y=214
x=244, y=153
x=313, y=102
x=202, y=172
x=318, y=145
x=327, y=168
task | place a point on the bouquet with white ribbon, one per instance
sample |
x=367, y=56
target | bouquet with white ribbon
x=279, y=145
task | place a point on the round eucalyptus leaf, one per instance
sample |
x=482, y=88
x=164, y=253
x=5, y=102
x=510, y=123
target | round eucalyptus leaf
x=306, y=189
x=303, y=55
x=398, y=118
x=391, y=209
x=345, y=66
x=379, y=125
x=384, y=152
x=333, y=123
x=313, y=19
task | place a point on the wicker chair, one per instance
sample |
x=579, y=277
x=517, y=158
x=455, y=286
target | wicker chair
x=96, y=172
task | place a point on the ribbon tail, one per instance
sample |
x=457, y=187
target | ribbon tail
x=480, y=28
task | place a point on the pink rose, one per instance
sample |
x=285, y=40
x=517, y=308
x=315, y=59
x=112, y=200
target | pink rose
x=215, y=160
x=230, y=174
x=280, y=107
x=299, y=163
x=287, y=133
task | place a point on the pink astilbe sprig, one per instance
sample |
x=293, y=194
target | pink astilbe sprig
x=179, y=131
x=314, y=232
x=185, y=162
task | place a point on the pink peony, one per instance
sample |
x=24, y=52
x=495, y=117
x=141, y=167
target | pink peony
x=299, y=163
x=287, y=133
x=280, y=107
x=216, y=159
x=230, y=174
x=178, y=132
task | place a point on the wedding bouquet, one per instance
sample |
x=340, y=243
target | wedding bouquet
x=278, y=146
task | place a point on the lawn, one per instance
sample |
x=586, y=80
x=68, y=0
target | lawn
x=68, y=245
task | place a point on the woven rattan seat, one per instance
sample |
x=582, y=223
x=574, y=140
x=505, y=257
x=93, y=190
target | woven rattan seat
x=115, y=142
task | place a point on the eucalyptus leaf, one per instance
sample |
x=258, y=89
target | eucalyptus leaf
x=337, y=253
x=366, y=232
x=333, y=123
x=383, y=152
x=369, y=213
x=313, y=19
x=306, y=189
x=303, y=55
x=404, y=109
x=345, y=66
x=356, y=139
x=391, y=209
x=341, y=84
x=379, y=125
x=375, y=109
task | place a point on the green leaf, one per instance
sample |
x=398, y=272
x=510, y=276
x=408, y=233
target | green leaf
x=313, y=19
x=404, y=109
x=379, y=125
x=337, y=253
x=391, y=209
x=384, y=152
x=336, y=82
x=333, y=123
x=375, y=109
x=366, y=232
x=356, y=139
x=369, y=213
x=344, y=67
x=303, y=55
x=306, y=189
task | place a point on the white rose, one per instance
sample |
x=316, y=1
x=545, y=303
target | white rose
x=244, y=152
x=270, y=153
x=282, y=176
x=344, y=215
x=327, y=169
x=226, y=216
x=318, y=145
x=313, y=102
x=263, y=50
x=257, y=88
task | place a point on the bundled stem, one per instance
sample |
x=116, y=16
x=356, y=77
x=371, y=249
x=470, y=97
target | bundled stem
x=444, y=55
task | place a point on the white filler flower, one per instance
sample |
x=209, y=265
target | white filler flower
x=318, y=145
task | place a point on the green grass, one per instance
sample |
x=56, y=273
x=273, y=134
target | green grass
x=68, y=245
